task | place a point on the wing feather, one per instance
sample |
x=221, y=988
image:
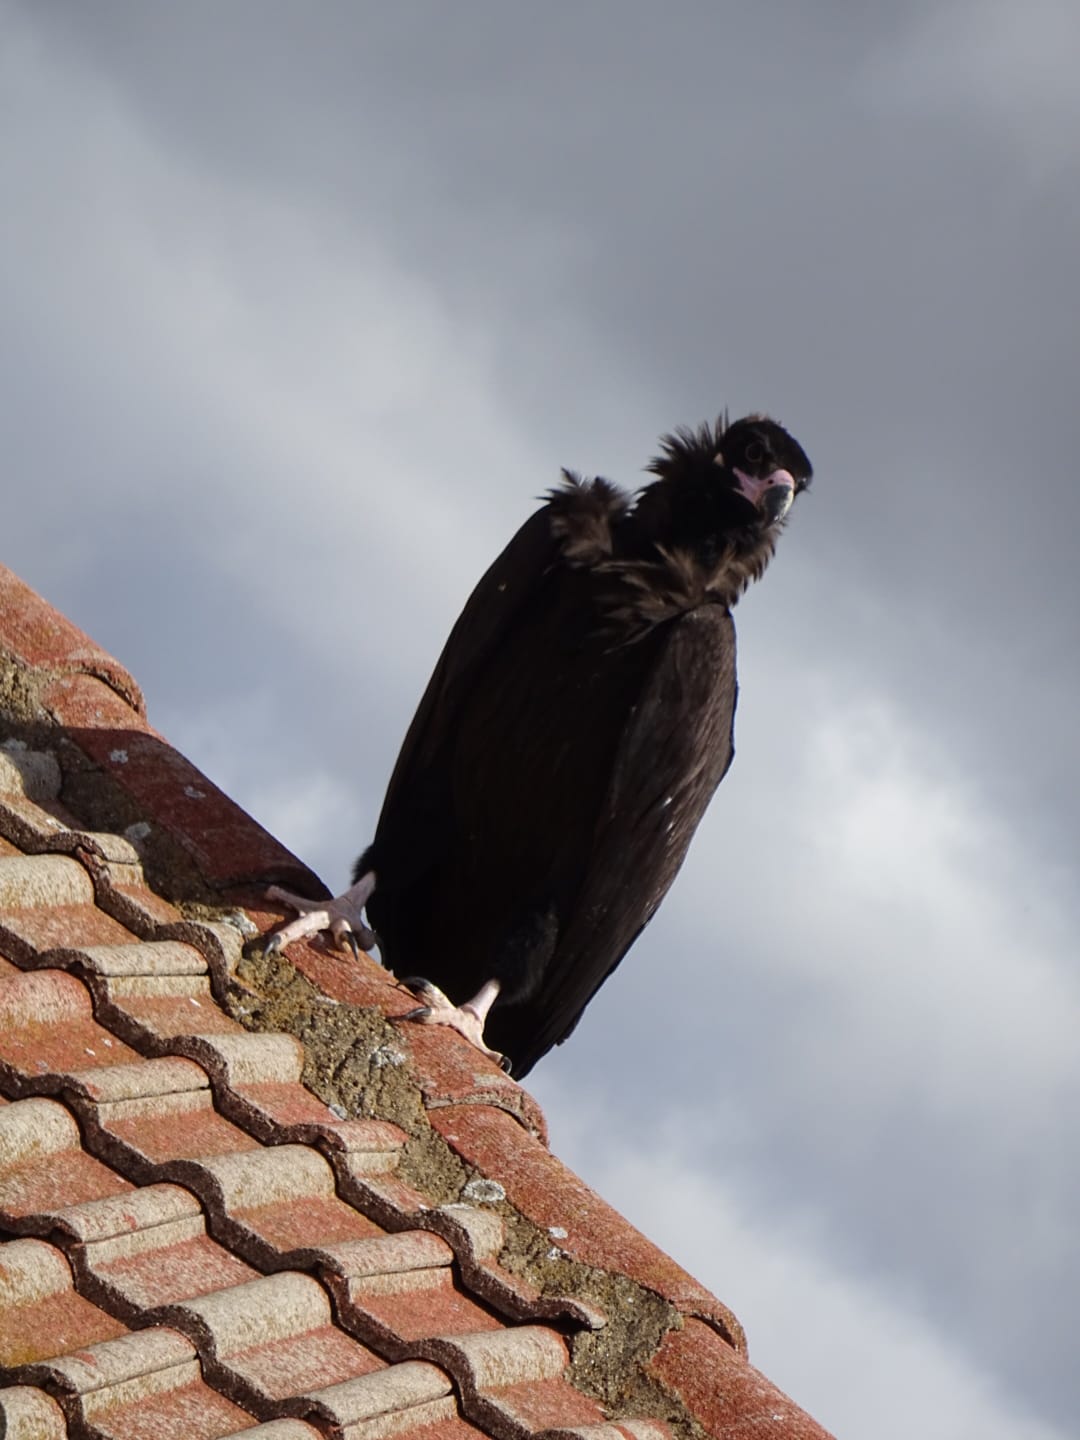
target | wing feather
x=674, y=752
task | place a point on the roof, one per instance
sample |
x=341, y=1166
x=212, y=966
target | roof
x=236, y=1199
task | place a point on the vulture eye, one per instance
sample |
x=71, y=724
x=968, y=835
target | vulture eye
x=755, y=452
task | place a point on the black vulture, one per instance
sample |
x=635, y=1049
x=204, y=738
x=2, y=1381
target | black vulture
x=566, y=747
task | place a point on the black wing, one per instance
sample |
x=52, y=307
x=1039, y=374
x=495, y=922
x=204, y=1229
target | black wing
x=674, y=751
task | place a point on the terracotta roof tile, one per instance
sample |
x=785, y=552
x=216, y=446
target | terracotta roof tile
x=143, y=1386
x=153, y=1118
x=138, y=960
x=398, y=1289
x=279, y=1430
x=24, y=933
x=37, y=881
x=47, y=1028
x=27, y=1413
x=47, y=641
x=272, y=1201
x=454, y=1074
x=730, y=1398
x=40, y=1313
x=43, y=1165
x=270, y=1340
x=208, y=1248
x=512, y=1380
x=624, y=1430
x=412, y=1397
x=166, y=788
x=145, y=1249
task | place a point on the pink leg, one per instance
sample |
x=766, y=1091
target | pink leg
x=342, y=917
x=467, y=1019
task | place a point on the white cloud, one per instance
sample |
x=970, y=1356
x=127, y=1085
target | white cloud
x=937, y=936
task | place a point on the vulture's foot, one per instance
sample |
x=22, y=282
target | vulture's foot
x=341, y=917
x=467, y=1019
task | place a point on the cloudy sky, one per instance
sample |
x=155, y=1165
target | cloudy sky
x=303, y=306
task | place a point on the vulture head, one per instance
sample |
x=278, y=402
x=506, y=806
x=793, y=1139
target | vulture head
x=722, y=495
x=763, y=465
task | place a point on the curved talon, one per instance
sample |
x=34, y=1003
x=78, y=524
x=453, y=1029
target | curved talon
x=467, y=1020
x=421, y=1013
x=342, y=917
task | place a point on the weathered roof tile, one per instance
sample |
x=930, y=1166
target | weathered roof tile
x=50, y=642
x=396, y=1290
x=154, y=958
x=26, y=933
x=270, y=1340
x=512, y=1380
x=732, y=1400
x=161, y=1118
x=624, y=1430
x=27, y=1413
x=28, y=775
x=47, y=1028
x=43, y=1165
x=143, y=1386
x=409, y=1396
x=271, y=1201
x=146, y=1249
x=167, y=788
x=278, y=1430
x=35, y=882
x=40, y=1313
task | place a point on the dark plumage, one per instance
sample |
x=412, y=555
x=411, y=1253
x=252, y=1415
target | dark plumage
x=572, y=734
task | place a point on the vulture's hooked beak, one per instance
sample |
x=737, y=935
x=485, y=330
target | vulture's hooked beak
x=772, y=493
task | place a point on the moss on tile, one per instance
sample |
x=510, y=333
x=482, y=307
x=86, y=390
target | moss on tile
x=605, y=1363
x=430, y=1166
x=19, y=691
x=349, y=1050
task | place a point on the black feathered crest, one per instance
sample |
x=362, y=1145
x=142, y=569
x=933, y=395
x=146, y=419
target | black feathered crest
x=583, y=514
x=686, y=443
x=687, y=447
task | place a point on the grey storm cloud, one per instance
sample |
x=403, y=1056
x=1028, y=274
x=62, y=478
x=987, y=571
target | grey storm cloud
x=305, y=305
